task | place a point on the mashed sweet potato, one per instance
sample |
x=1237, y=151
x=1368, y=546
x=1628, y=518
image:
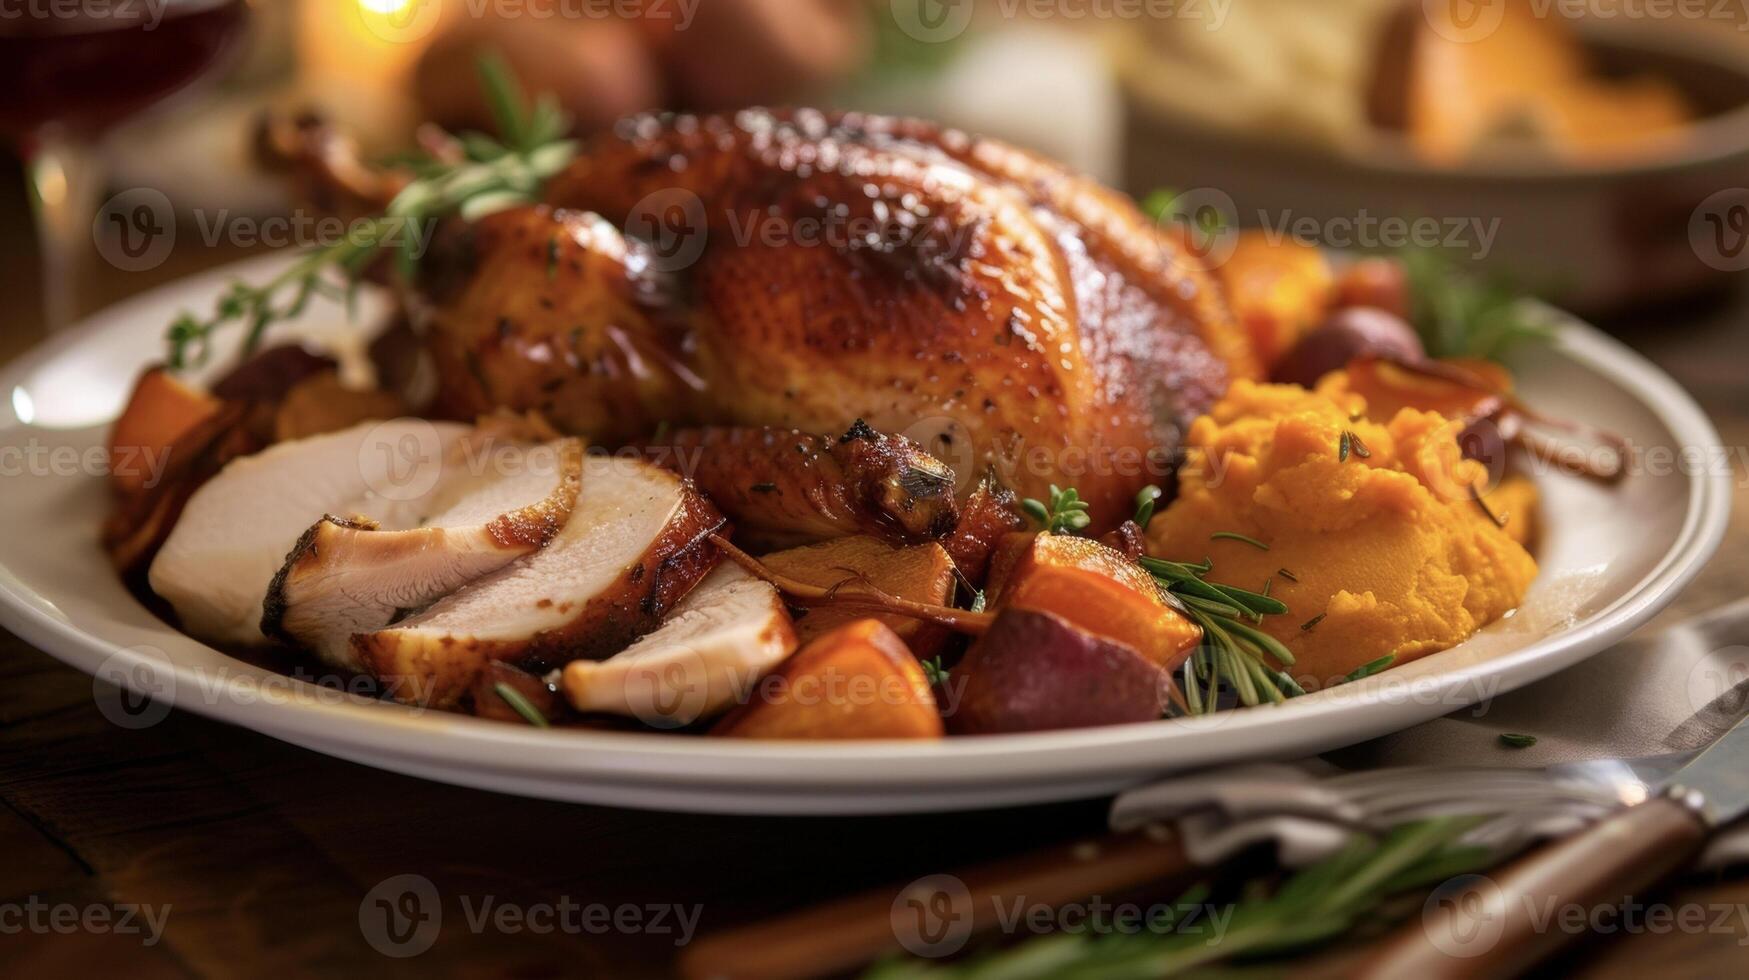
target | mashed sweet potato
x=1384, y=552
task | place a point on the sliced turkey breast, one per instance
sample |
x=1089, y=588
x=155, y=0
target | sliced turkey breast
x=347, y=575
x=709, y=654
x=234, y=532
x=636, y=544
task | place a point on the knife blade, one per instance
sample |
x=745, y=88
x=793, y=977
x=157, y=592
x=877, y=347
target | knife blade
x=1717, y=780
x=1500, y=926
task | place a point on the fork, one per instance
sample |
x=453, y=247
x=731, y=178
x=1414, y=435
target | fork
x=1166, y=831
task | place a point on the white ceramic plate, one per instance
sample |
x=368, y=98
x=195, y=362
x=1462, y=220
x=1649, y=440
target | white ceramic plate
x=1611, y=558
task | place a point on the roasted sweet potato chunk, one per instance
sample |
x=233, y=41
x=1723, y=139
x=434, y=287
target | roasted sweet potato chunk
x=1094, y=588
x=921, y=573
x=1279, y=290
x=160, y=411
x=858, y=681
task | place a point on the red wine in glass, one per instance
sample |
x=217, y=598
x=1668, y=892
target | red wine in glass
x=72, y=69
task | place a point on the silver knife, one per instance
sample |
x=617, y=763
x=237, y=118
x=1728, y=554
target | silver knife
x=1504, y=923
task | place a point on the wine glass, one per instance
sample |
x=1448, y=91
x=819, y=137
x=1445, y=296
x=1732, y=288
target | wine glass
x=69, y=72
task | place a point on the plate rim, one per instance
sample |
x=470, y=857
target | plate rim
x=473, y=751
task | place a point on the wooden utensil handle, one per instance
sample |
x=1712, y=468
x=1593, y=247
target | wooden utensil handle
x=1502, y=925
x=936, y=909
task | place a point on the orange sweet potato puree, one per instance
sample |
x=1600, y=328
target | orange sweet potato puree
x=1387, y=546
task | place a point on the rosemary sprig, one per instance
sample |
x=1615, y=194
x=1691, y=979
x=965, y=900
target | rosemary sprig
x=1311, y=906
x=520, y=705
x=1370, y=668
x=1065, y=514
x=1234, y=652
x=492, y=176
x=1461, y=314
x=1236, y=536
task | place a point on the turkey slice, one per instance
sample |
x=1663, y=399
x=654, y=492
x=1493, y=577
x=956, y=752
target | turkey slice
x=235, y=531
x=709, y=654
x=636, y=544
x=348, y=576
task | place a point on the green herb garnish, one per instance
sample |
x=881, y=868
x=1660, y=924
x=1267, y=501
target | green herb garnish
x=1370, y=668
x=1145, y=501
x=1309, y=907
x=934, y=671
x=492, y=176
x=1498, y=519
x=1461, y=314
x=1306, y=627
x=1236, y=536
x=1234, y=652
x=1517, y=741
x=764, y=488
x=1065, y=514
x=520, y=705
x=1350, y=445
x=1284, y=573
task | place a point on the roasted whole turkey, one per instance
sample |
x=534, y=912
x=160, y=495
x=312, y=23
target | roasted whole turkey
x=803, y=271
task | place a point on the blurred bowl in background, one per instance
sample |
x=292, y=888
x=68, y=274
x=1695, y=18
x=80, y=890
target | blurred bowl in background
x=1602, y=237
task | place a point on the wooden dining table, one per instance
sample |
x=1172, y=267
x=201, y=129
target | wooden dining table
x=263, y=859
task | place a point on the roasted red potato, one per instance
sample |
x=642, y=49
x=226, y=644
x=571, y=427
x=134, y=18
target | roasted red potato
x=1349, y=334
x=1094, y=588
x=489, y=702
x=858, y=681
x=1034, y=671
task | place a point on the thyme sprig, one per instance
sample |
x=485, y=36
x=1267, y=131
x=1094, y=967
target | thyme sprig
x=490, y=176
x=1065, y=514
x=934, y=672
x=1146, y=500
x=1309, y=907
